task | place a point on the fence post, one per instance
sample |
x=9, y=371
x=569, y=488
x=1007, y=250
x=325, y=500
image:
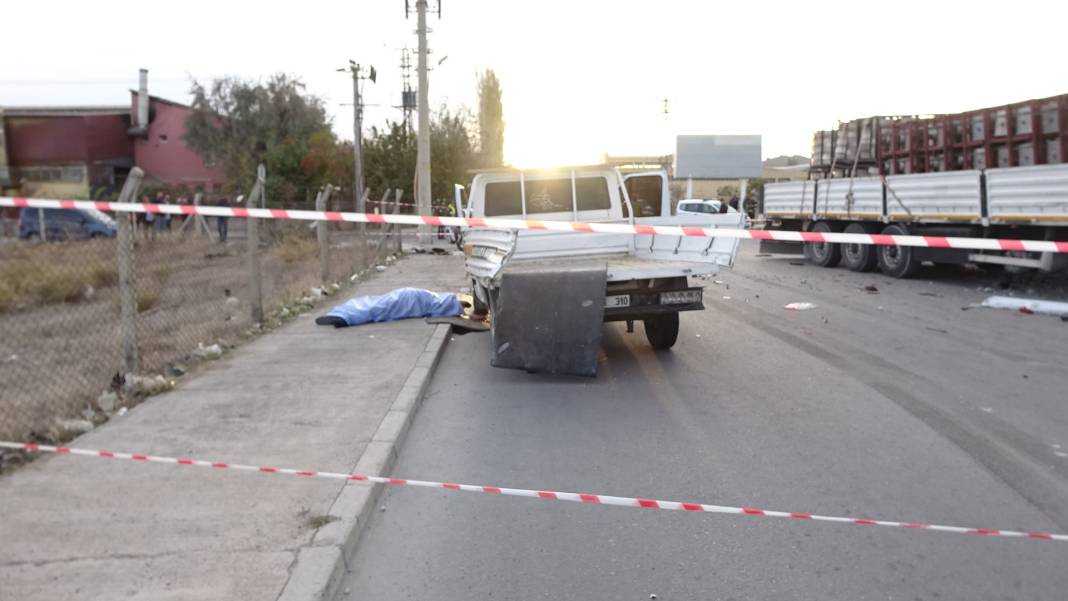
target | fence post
x=255, y=292
x=323, y=234
x=400, y=232
x=124, y=253
x=366, y=260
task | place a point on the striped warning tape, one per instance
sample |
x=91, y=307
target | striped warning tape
x=538, y=494
x=998, y=244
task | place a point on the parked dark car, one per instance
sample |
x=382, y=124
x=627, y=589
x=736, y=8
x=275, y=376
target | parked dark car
x=66, y=224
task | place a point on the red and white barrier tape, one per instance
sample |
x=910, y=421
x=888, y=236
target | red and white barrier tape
x=539, y=494
x=998, y=244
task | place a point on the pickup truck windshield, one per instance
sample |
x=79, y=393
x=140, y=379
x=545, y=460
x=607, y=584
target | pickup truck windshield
x=547, y=196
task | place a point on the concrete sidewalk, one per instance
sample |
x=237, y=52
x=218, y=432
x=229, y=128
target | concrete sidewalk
x=303, y=396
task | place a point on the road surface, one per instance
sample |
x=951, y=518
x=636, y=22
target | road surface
x=895, y=404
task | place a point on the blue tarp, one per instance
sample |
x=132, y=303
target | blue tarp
x=401, y=303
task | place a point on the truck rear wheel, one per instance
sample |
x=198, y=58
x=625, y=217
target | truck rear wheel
x=897, y=261
x=662, y=330
x=824, y=254
x=858, y=257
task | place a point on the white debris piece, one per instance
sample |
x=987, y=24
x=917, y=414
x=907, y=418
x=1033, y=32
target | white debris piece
x=380, y=267
x=1026, y=305
x=800, y=306
x=77, y=426
x=107, y=401
x=208, y=353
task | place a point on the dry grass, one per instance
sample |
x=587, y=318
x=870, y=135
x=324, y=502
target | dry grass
x=59, y=312
x=46, y=274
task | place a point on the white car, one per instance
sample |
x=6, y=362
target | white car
x=698, y=206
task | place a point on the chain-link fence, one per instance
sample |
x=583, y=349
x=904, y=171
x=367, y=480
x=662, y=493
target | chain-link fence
x=89, y=327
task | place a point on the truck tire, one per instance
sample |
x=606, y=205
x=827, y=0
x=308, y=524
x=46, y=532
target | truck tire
x=662, y=330
x=897, y=261
x=824, y=254
x=858, y=257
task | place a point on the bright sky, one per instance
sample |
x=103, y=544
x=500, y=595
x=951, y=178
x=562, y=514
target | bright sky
x=579, y=78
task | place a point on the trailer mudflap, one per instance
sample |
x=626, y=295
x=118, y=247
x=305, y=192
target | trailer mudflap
x=550, y=321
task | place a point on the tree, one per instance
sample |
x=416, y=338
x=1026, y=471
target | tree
x=389, y=155
x=452, y=153
x=238, y=124
x=490, y=120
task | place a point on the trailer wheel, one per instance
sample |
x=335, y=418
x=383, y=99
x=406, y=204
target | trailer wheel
x=662, y=330
x=824, y=254
x=858, y=257
x=897, y=261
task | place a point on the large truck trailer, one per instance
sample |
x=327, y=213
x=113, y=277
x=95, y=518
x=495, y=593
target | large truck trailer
x=1010, y=202
x=997, y=172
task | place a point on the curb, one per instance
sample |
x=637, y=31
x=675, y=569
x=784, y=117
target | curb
x=320, y=565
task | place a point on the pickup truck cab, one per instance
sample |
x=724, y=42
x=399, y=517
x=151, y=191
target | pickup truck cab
x=555, y=274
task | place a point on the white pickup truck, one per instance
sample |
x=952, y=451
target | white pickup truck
x=547, y=291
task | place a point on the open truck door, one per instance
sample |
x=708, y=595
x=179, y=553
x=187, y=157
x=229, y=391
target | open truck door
x=649, y=193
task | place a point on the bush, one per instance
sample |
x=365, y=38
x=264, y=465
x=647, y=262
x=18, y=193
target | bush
x=146, y=299
x=52, y=287
x=8, y=297
x=293, y=249
x=102, y=275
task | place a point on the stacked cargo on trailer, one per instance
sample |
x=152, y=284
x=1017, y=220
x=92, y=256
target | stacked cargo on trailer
x=1022, y=134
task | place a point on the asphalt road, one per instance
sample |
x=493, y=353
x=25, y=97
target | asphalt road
x=895, y=404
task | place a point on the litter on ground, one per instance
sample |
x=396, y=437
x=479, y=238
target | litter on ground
x=800, y=306
x=1026, y=305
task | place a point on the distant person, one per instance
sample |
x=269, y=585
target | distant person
x=734, y=202
x=221, y=222
x=163, y=220
x=150, y=221
x=139, y=218
x=183, y=201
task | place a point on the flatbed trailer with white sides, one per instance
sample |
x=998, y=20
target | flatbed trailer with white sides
x=548, y=292
x=1010, y=202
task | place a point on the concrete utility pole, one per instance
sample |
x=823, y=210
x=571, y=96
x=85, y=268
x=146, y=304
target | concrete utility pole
x=422, y=160
x=357, y=133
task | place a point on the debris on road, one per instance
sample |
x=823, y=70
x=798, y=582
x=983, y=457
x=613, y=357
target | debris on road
x=401, y=303
x=1026, y=305
x=800, y=306
x=461, y=324
x=798, y=263
x=931, y=294
x=939, y=330
x=871, y=289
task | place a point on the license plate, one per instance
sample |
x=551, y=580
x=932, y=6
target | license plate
x=618, y=300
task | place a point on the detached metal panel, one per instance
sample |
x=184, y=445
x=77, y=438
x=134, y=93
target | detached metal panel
x=833, y=199
x=1028, y=194
x=953, y=195
x=789, y=199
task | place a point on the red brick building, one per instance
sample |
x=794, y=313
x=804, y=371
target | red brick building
x=86, y=151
